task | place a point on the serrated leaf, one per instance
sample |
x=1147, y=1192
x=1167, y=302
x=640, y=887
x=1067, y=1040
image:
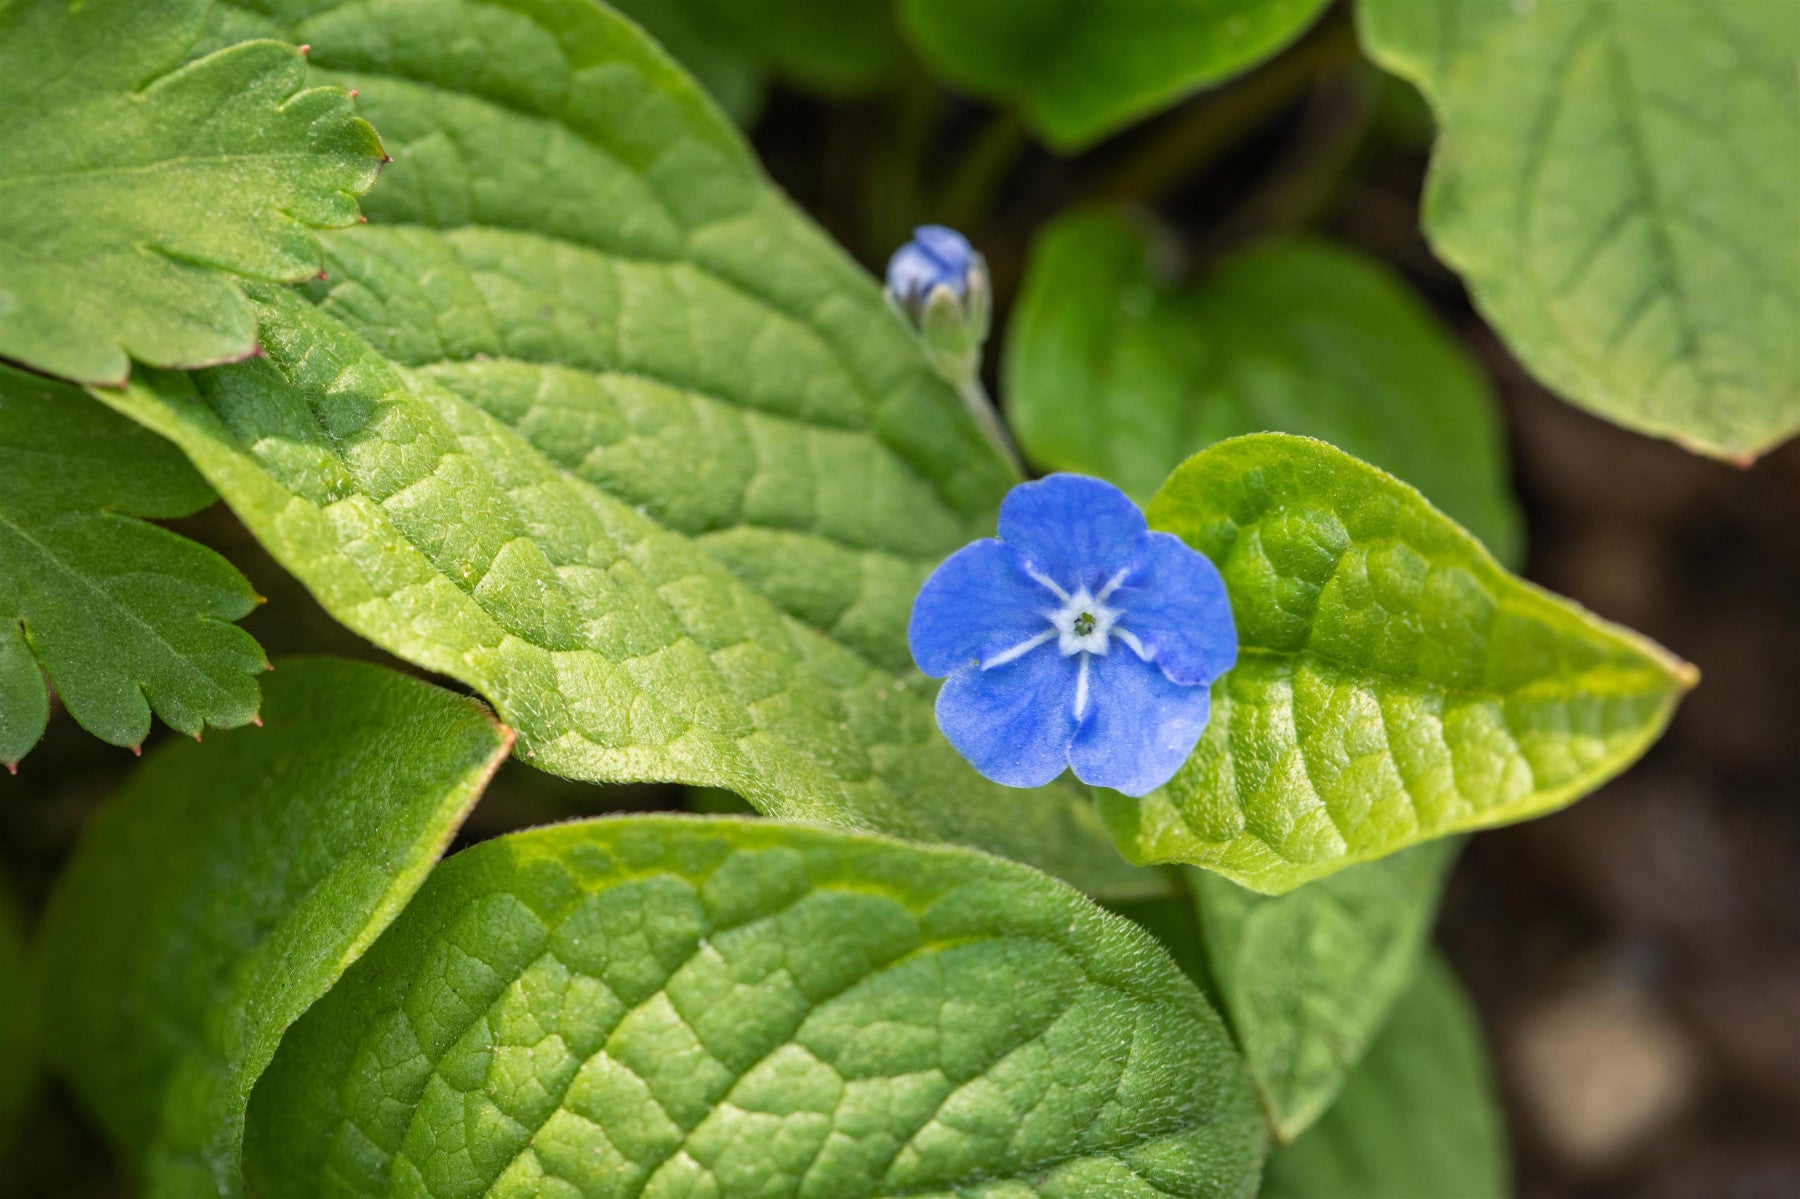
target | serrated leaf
x=123, y=616
x=663, y=1006
x=1081, y=69
x=593, y=420
x=1111, y=371
x=1394, y=684
x=229, y=884
x=1418, y=1118
x=134, y=187
x=1616, y=183
x=18, y=1025
x=1306, y=979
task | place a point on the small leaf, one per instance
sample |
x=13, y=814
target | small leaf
x=1111, y=372
x=1079, y=71
x=592, y=419
x=1418, y=1118
x=1616, y=182
x=134, y=186
x=1306, y=979
x=229, y=884
x=662, y=1006
x=1393, y=684
x=18, y=1025
x=124, y=617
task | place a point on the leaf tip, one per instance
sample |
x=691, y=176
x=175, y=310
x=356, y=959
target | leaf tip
x=256, y=719
x=305, y=47
x=137, y=751
x=12, y=768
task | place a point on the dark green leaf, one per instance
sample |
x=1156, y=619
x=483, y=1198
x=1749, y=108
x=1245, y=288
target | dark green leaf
x=591, y=419
x=1616, y=182
x=1306, y=978
x=124, y=617
x=1113, y=372
x=134, y=187
x=229, y=884
x=1394, y=683
x=1418, y=1119
x=1081, y=69
x=680, y=1006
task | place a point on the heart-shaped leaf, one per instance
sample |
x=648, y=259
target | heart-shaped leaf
x=124, y=617
x=1306, y=979
x=229, y=884
x=134, y=186
x=1111, y=371
x=1081, y=69
x=592, y=419
x=671, y=1006
x=1616, y=182
x=1394, y=683
x=1418, y=1118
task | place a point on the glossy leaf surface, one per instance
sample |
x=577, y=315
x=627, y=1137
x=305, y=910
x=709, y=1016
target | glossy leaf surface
x=1081, y=69
x=672, y=1006
x=135, y=189
x=1616, y=182
x=591, y=419
x=123, y=617
x=1394, y=684
x=229, y=884
x=1111, y=371
x=1418, y=1118
x=1306, y=979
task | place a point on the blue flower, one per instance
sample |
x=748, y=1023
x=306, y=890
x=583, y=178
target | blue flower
x=1076, y=638
x=935, y=257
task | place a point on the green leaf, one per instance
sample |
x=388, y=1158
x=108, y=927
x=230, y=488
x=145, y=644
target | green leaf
x=1306, y=979
x=1393, y=685
x=839, y=47
x=123, y=616
x=133, y=187
x=1418, y=1118
x=593, y=420
x=228, y=885
x=18, y=1025
x=1113, y=372
x=1081, y=69
x=663, y=1006
x=1616, y=182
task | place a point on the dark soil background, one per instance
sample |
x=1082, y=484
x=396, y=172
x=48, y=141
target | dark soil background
x=1635, y=958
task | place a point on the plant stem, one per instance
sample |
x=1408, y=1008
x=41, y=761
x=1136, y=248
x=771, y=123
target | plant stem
x=969, y=192
x=987, y=418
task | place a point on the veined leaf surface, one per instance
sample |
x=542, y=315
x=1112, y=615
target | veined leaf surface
x=135, y=188
x=122, y=616
x=1394, y=683
x=651, y=1007
x=592, y=419
x=1616, y=182
x=1110, y=371
x=229, y=884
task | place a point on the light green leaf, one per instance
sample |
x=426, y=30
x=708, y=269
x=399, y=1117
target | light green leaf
x=672, y=1006
x=839, y=47
x=1616, y=182
x=123, y=616
x=1393, y=685
x=133, y=187
x=1081, y=69
x=1111, y=371
x=592, y=419
x=1418, y=1119
x=18, y=1025
x=1306, y=979
x=229, y=884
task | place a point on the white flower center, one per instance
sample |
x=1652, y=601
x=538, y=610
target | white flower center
x=1083, y=624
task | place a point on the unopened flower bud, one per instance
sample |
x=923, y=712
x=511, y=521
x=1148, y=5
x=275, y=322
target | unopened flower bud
x=938, y=284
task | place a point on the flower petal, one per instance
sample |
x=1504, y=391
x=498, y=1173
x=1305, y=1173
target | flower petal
x=1013, y=723
x=1076, y=530
x=1174, y=604
x=978, y=603
x=1139, y=728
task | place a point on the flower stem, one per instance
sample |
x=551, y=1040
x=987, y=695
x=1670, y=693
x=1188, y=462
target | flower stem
x=987, y=418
